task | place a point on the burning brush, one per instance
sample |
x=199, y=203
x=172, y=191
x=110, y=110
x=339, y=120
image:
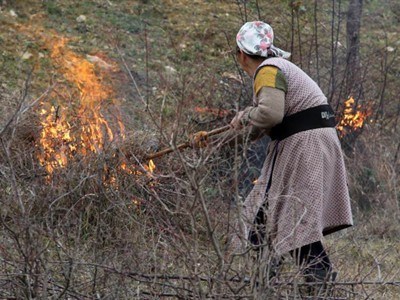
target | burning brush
x=72, y=118
x=353, y=118
x=80, y=117
x=75, y=123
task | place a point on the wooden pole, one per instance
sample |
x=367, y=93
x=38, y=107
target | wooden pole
x=186, y=144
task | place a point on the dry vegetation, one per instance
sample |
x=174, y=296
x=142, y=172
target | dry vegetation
x=102, y=226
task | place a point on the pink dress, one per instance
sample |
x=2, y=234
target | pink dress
x=308, y=197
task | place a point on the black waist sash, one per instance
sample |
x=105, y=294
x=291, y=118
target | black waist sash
x=312, y=118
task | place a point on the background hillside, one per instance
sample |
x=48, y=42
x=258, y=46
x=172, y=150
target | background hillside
x=88, y=88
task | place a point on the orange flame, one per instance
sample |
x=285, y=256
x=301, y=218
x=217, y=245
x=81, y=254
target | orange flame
x=72, y=118
x=134, y=171
x=74, y=123
x=353, y=117
x=150, y=167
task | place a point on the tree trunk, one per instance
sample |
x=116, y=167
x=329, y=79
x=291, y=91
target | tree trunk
x=353, y=76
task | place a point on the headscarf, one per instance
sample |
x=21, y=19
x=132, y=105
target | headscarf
x=256, y=38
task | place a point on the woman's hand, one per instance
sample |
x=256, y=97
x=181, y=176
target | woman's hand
x=238, y=121
x=199, y=139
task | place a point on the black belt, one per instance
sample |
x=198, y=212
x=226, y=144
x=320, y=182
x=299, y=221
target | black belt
x=312, y=118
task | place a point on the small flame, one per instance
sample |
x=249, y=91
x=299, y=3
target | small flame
x=135, y=204
x=150, y=167
x=130, y=170
x=141, y=175
x=353, y=117
x=136, y=201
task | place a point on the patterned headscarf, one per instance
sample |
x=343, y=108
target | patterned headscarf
x=256, y=38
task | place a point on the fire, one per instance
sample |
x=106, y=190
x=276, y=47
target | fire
x=56, y=136
x=136, y=204
x=151, y=166
x=80, y=115
x=72, y=119
x=143, y=174
x=353, y=118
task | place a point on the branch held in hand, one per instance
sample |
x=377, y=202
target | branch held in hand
x=187, y=144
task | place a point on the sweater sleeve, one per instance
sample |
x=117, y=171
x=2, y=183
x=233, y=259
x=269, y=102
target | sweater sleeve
x=269, y=111
x=270, y=88
x=269, y=76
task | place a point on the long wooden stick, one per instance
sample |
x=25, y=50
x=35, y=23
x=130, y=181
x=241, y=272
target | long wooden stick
x=186, y=144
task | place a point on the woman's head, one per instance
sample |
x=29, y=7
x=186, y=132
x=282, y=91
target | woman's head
x=256, y=39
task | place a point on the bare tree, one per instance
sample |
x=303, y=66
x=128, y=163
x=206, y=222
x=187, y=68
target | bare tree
x=353, y=76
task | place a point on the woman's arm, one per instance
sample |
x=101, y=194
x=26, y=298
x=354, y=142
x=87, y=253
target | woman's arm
x=268, y=113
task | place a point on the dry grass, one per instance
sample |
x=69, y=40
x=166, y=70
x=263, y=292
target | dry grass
x=95, y=230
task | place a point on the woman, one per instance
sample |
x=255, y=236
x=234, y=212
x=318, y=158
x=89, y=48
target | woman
x=301, y=194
